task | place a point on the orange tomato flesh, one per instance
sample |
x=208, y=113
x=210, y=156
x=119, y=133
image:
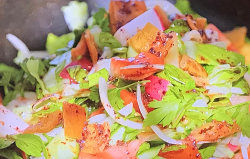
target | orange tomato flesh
x=129, y=97
x=80, y=49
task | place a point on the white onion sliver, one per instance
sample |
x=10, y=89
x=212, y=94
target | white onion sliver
x=156, y=66
x=156, y=129
x=244, y=142
x=110, y=120
x=103, y=89
x=97, y=118
x=244, y=152
x=18, y=44
x=126, y=110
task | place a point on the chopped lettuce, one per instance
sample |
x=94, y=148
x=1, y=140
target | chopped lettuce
x=57, y=42
x=174, y=148
x=243, y=85
x=185, y=7
x=52, y=81
x=226, y=75
x=75, y=14
x=77, y=73
x=213, y=55
x=52, y=107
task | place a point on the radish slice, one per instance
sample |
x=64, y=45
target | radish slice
x=97, y=118
x=103, y=89
x=10, y=123
x=155, y=128
x=156, y=66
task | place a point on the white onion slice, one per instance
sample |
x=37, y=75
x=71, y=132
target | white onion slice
x=156, y=66
x=97, y=118
x=126, y=110
x=103, y=89
x=244, y=142
x=155, y=128
x=110, y=120
x=18, y=44
x=10, y=123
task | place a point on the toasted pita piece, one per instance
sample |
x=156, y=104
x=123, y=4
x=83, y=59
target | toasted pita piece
x=152, y=40
x=163, y=16
x=201, y=23
x=237, y=36
x=46, y=123
x=74, y=117
x=80, y=49
x=92, y=46
x=122, y=12
x=214, y=131
x=200, y=81
x=192, y=67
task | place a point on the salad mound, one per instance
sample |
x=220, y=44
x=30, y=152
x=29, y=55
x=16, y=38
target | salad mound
x=138, y=80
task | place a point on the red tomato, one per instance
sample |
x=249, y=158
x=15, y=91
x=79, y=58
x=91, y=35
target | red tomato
x=135, y=73
x=84, y=63
x=187, y=153
x=126, y=151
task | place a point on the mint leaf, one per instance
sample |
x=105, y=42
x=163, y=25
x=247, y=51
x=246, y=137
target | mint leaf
x=31, y=145
x=208, y=151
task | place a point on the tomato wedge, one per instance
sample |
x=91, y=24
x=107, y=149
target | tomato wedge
x=187, y=153
x=129, y=97
x=147, y=59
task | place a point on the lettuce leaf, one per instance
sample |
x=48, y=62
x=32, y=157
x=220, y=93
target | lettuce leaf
x=75, y=14
x=54, y=42
x=177, y=76
x=226, y=75
x=242, y=84
x=77, y=73
x=185, y=7
x=213, y=55
x=106, y=39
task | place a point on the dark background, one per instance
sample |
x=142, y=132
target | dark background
x=32, y=20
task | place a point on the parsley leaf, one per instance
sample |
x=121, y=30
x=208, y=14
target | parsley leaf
x=94, y=94
x=31, y=144
x=102, y=19
x=115, y=98
x=207, y=151
x=243, y=118
x=164, y=113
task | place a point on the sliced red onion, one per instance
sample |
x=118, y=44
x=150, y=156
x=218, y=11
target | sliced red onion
x=156, y=66
x=155, y=128
x=103, y=89
x=97, y=118
x=126, y=110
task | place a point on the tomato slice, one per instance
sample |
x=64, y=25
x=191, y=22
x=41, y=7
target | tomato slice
x=187, y=153
x=117, y=65
x=83, y=62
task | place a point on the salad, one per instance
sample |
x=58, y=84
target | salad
x=146, y=80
